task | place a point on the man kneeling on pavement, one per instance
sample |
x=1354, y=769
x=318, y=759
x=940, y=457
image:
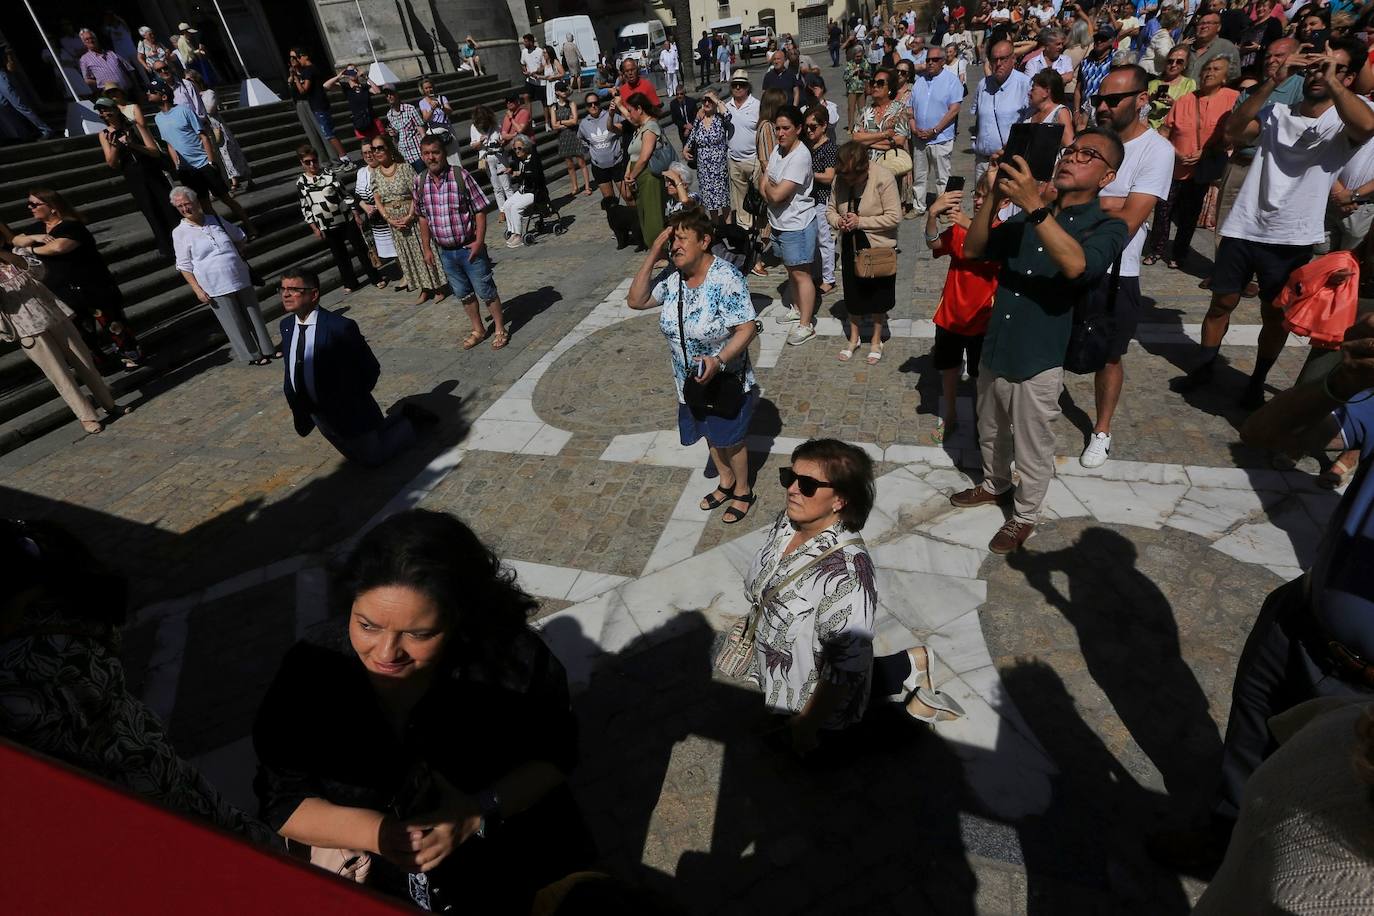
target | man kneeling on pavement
x=1052, y=255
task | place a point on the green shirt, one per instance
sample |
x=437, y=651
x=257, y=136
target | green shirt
x=1032, y=315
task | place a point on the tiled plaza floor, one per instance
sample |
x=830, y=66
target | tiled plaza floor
x=1095, y=665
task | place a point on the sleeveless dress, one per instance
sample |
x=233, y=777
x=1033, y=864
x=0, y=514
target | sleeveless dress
x=713, y=174
x=568, y=144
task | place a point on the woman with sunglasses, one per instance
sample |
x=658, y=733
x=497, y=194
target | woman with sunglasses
x=866, y=210
x=393, y=191
x=1196, y=126
x=130, y=149
x=814, y=96
x=677, y=189
x=884, y=127
x=565, y=120
x=707, y=318
x=152, y=52
x=814, y=595
x=328, y=210
x=78, y=275
x=1173, y=85
x=707, y=151
x=817, y=137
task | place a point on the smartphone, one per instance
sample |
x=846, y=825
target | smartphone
x=955, y=183
x=1038, y=144
x=351, y=71
x=1317, y=39
x=701, y=368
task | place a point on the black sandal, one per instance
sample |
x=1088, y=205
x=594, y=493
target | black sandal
x=712, y=502
x=733, y=515
x=264, y=361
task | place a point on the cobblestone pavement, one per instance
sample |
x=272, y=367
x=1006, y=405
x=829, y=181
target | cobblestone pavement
x=1095, y=665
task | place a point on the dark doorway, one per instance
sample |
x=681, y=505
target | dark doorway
x=293, y=24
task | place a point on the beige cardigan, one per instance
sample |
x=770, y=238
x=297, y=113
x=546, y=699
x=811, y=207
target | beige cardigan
x=879, y=207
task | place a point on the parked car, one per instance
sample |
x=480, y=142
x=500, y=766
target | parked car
x=756, y=39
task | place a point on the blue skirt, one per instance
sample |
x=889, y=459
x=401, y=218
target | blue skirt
x=719, y=432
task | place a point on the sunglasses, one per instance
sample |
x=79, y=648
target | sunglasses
x=1114, y=99
x=807, y=485
x=877, y=82
x=310, y=161
x=377, y=149
x=33, y=203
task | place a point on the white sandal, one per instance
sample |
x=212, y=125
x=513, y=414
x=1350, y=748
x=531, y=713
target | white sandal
x=845, y=355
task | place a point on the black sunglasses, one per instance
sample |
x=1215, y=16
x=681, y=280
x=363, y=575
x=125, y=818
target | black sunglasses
x=807, y=485
x=1114, y=99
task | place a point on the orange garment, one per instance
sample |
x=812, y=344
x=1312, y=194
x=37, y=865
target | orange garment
x=970, y=285
x=1320, y=299
x=1196, y=122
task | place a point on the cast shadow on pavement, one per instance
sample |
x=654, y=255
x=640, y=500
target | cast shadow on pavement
x=692, y=790
x=521, y=309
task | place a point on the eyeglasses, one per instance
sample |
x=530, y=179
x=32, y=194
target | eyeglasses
x=295, y=290
x=1114, y=99
x=378, y=148
x=814, y=127
x=1177, y=61
x=934, y=60
x=877, y=82
x=807, y=485
x=310, y=161
x=35, y=203
x=1000, y=60
x=1083, y=154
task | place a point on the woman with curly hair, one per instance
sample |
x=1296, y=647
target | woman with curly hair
x=814, y=597
x=430, y=754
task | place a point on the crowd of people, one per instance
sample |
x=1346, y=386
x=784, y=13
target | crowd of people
x=1103, y=138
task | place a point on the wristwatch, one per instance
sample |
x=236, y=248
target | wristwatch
x=1036, y=217
x=488, y=805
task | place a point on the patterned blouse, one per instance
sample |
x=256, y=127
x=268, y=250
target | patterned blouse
x=819, y=625
x=895, y=117
x=324, y=202
x=855, y=77
x=710, y=315
x=823, y=157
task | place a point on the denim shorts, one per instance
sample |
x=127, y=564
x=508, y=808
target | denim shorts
x=796, y=247
x=467, y=277
x=326, y=121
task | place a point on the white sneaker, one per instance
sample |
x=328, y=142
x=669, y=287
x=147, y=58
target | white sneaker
x=792, y=314
x=1095, y=455
x=800, y=335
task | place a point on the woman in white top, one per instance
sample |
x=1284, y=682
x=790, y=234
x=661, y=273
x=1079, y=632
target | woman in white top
x=553, y=72
x=786, y=185
x=484, y=135
x=210, y=255
x=1047, y=103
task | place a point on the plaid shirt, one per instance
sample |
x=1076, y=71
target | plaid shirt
x=107, y=66
x=451, y=213
x=404, y=122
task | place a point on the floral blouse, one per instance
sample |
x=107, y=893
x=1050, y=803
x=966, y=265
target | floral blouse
x=820, y=625
x=27, y=307
x=894, y=117
x=855, y=77
x=710, y=314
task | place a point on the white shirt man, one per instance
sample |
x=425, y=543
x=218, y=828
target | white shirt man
x=668, y=60
x=935, y=98
x=742, y=111
x=1036, y=62
x=1142, y=181
x=998, y=103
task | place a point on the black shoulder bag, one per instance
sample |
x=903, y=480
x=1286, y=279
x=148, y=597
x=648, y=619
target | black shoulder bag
x=723, y=395
x=1091, y=338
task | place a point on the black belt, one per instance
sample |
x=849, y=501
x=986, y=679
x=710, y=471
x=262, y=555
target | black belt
x=1338, y=658
x=466, y=244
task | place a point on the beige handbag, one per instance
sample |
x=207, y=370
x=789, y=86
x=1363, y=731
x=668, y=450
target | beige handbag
x=871, y=263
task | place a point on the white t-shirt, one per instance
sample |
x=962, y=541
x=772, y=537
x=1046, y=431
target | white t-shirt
x=1147, y=169
x=796, y=166
x=743, y=142
x=1000, y=15
x=1283, y=199
x=533, y=59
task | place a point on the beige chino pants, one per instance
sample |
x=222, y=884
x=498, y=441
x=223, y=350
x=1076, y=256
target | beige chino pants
x=59, y=351
x=1015, y=421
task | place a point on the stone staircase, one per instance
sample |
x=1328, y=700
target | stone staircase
x=171, y=324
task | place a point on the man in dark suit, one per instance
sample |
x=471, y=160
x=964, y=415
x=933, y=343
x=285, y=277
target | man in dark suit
x=330, y=374
x=684, y=111
x=706, y=57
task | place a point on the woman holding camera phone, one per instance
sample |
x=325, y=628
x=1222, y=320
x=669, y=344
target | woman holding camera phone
x=707, y=318
x=129, y=148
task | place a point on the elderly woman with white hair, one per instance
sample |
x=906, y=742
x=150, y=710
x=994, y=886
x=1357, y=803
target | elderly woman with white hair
x=677, y=188
x=530, y=189
x=210, y=255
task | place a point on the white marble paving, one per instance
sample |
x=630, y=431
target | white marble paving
x=1147, y=505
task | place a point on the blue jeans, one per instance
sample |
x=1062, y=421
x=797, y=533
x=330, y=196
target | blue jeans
x=795, y=246
x=468, y=276
x=326, y=121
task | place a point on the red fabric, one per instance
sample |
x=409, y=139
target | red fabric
x=77, y=845
x=1314, y=307
x=966, y=301
x=643, y=86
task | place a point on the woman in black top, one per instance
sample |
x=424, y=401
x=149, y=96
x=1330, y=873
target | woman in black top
x=130, y=148
x=79, y=276
x=434, y=750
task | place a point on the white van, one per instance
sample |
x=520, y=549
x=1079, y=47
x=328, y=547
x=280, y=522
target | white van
x=733, y=27
x=641, y=40
x=556, y=31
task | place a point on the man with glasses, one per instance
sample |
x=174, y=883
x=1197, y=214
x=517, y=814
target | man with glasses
x=453, y=219
x=1052, y=256
x=329, y=377
x=742, y=111
x=997, y=105
x=935, y=99
x=1142, y=181
x=1287, y=92
x=1207, y=43
x=1280, y=212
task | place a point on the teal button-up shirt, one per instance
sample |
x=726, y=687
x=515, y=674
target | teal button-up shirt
x=1032, y=315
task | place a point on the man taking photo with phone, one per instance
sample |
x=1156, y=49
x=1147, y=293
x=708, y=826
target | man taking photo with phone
x=1051, y=256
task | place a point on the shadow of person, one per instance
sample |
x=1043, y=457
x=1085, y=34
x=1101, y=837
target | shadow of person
x=1089, y=838
x=1301, y=516
x=1129, y=640
x=1076, y=415
x=521, y=309
x=693, y=790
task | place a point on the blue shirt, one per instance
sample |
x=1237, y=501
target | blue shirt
x=999, y=107
x=931, y=98
x=1342, y=576
x=180, y=129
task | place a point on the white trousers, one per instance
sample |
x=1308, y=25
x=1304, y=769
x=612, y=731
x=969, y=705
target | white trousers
x=825, y=245
x=59, y=351
x=515, y=207
x=927, y=158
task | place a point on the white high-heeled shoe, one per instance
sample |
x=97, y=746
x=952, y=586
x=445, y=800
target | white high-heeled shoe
x=945, y=706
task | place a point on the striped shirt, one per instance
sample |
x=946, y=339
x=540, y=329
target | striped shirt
x=107, y=66
x=451, y=211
